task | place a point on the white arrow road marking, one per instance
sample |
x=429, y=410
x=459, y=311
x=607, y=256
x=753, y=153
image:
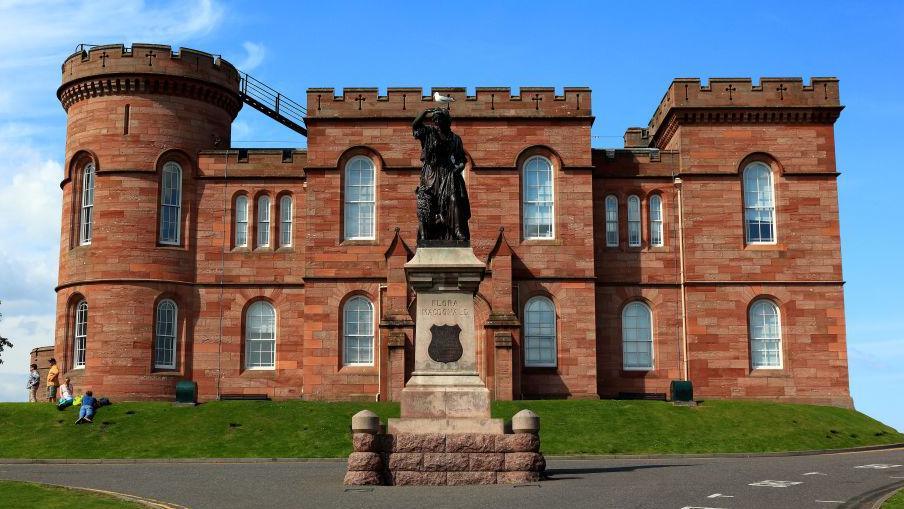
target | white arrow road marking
x=775, y=484
x=814, y=473
x=719, y=495
x=878, y=466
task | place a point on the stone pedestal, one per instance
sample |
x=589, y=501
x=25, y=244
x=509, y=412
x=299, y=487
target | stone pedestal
x=445, y=393
x=445, y=435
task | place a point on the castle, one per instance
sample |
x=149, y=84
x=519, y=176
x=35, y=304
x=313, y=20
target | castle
x=706, y=249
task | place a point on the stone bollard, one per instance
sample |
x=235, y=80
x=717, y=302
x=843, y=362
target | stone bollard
x=366, y=421
x=526, y=421
x=365, y=465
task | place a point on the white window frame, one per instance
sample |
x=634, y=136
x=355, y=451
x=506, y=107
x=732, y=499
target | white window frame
x=86, y=212
x=263, y=221
x=258, y=335
x=353, y=338
x=657, y=232
x=534, y=165
x=758, y=208
x=171, y=203
x=535, y=335
x=285, y=221
x=80, y=335
x=611, y=212
x=361, y=230
x=754, y=318
x=166, y=334
x=241, y=220
x=635, y=232
x=626, y=341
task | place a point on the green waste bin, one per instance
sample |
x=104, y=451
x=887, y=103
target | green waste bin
x=682, y=390
x=186, y=392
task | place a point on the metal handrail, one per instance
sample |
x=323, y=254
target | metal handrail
x=271, y=98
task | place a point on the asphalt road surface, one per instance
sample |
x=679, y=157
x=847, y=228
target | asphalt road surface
x=799, y=482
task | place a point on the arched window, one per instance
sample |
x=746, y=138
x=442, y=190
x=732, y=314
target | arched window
x=540, y=333
x=241, y=221
x=358, y=332
x=170, y=203
x=80, y=335
x=285, y=221
x=656, y=237
x=611, y=221
x=637, y=337
x=765, y=335
x=263, y=221
x=538, y=198
x=359, y=198
x=634, y=236
x=86, y=216
x=759, y=204
x=165, y=335
x=260, y=336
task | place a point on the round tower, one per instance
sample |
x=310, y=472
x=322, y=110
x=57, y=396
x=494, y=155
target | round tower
x=136, y=119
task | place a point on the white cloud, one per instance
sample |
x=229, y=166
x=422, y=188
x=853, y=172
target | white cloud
x=254, y=55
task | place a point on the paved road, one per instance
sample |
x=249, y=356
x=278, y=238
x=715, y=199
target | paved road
x=799, y=482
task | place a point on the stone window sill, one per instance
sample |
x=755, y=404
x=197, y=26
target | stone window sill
x=769, y=373
x=764, y=247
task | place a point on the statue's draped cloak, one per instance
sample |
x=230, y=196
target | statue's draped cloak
x=443, y=205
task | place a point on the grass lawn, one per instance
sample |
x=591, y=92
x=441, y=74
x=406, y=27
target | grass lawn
x=321, y=430
x=895, y=502
x=24, y=495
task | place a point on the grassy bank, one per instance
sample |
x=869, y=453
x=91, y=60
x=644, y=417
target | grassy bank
x=316, y=429
x=895, y=502
x=24, y=495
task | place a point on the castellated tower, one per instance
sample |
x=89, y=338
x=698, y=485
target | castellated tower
x=137, y=118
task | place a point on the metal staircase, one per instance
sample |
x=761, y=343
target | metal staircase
x=272, y=103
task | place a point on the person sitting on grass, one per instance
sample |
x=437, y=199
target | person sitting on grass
x=65, y=395
x=86, y=412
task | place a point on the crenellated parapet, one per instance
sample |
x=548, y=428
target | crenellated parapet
x=739, y=100
x=528, y=102
x=149, y=69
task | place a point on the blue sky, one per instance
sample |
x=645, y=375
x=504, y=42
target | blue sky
x=626, y=52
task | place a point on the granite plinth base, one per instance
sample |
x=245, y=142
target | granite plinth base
x=448, y=426
x=444, y=459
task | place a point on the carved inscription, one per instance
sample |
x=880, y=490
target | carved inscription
x=443, y=307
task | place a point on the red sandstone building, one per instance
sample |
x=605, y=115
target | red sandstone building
x=706, y=249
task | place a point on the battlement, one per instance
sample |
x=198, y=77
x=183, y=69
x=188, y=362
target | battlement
x=727, y=94
x=116, y=59
x=252, y=163
x=529, y=102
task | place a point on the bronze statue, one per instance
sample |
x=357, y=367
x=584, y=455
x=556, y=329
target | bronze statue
x=443, y=209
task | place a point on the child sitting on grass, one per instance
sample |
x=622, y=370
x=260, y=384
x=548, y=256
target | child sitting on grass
x=86, y=412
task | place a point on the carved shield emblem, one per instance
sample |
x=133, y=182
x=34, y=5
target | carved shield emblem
x=445, y=344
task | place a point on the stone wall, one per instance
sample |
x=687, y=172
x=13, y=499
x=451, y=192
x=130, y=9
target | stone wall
x=441, y=459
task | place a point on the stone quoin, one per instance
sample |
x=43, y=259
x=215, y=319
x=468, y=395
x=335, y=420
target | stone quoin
x=706, y=248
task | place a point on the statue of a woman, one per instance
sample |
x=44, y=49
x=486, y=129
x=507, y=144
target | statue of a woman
x=443, y=208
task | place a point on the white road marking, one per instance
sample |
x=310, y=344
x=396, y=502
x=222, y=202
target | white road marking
x=775, y=484
x=814, y=473
x=829, y=501
x=697, y=507
x=895, y=477
x=878, y=466
x=719, y=495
